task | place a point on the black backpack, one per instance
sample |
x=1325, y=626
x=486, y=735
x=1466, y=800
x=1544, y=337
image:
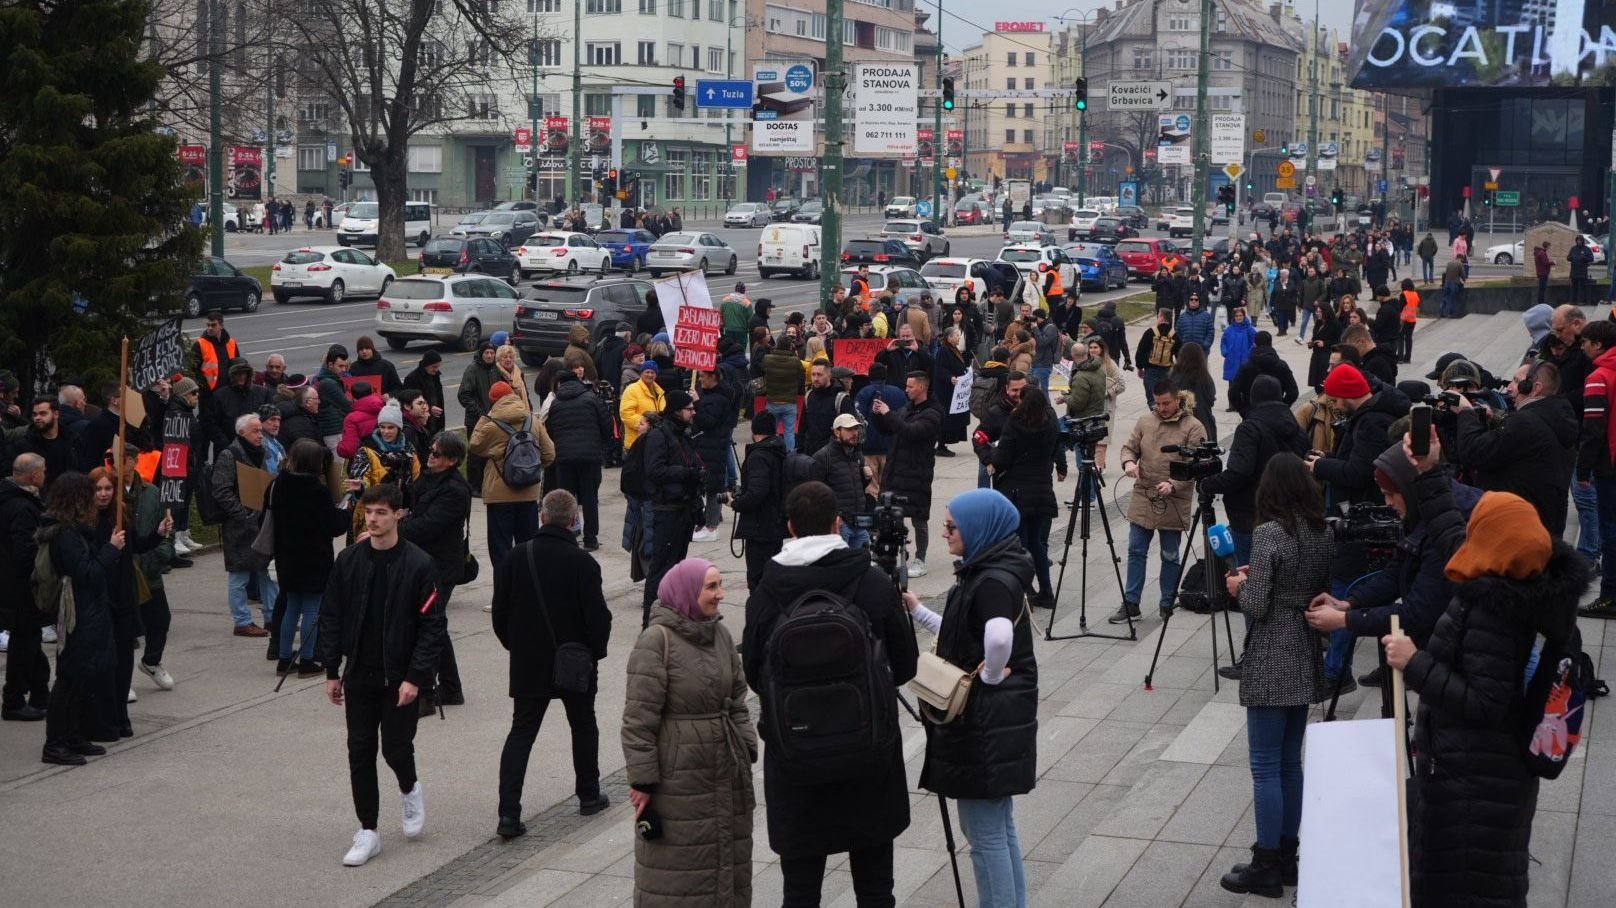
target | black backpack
x=523, y=464
x=207, y=506
x=828, y=692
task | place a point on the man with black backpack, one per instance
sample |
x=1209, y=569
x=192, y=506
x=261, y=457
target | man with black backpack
x=517, y=448
x=832, y=783
x=760, y=500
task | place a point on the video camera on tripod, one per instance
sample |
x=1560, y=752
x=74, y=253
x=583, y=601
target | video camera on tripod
x=1081, y=433
x=1376, y=527
x=889, y=537
x=1204, y=461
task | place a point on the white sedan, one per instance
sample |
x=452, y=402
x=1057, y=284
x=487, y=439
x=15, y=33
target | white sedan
x=1510, y=253
x=1082, y=222
x=569, y=252
x=332, y=272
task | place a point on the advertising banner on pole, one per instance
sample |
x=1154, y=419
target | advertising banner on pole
x=194, y=158
x=524, y=140
x=955, y=143
x=885, y=105
x=926, y=145
x=555, y=138
x=1228, y=138
x=598, y=136
x=1173, y=139
x=246, y=173
x=783, y=109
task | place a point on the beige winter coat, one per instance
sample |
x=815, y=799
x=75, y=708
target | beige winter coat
x=488, y=440
x=1151, y=433
x=688, y=739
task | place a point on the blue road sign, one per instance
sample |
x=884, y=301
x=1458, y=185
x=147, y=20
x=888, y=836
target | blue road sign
x=799, y=79
x=1383, y=187
x=721, y=94
x=923, y=208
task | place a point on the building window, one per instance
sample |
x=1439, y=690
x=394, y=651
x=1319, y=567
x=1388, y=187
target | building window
x=604, y=53
x=482, y=107
x=315, y=111
x=1010, y=84
x=425, y=158
x=1026, y=136
x=647, y=55
x=597, y=105
x=817, y=29
x=715, y=59
x=695, y=9
x=311, y=157
x=676, y=8
x=1026, y=111
x=673, y=181
x=544, y=53
x=644, y=106
x=676, y=53
x=1010, y=110
x=1183, y=24
x=802, y=27
x=1010, y=59
x=603, y=6
x=701, y=175
x=1223, y=59
x=430, y=196
x=1009, y=137
x=1144, y=58
x=1180, y=59
x=1029, y=56
x=647, y=7
x=715, y=11
x=543, y=6
x=1027, y=84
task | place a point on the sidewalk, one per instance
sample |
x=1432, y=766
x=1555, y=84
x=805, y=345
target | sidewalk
x=231, y=794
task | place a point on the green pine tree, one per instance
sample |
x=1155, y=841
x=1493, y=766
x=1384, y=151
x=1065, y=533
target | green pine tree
x=92, y=206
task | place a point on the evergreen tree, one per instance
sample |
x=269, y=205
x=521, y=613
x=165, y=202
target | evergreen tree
x=94, y=240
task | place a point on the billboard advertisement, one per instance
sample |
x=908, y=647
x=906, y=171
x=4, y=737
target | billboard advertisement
x=246, y=173
x=598, y=138
x=1505, y=43
x=783, y=109
x=194, y=160
x=555, y=136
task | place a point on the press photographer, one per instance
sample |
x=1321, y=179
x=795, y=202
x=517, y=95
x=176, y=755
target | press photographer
x=1531, y=451
x=1160, y=503
x=1414, y=587
x=1268, y=429
x=1021, y=466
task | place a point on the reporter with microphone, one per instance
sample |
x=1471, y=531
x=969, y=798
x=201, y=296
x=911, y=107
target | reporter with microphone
x=1160, y=504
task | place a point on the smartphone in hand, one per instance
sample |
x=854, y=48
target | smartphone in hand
x=1419, y=429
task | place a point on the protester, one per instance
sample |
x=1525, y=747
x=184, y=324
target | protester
x=1326, y=334
x=1264, y=360
x=241, y=524
x=371, y=364
x=985, y=757
x=305, y=519
x=537, y=611
x=911, y=467
x=438, y=522
x=640, y=396
x=1192, y=376
x=1160, y=505
x=1596, y=456
x=1158, y=349
x=300, y=417
x=384, y=455
x=512, y=512
x=48, y=438
x=428, y=379
x=782, y=385
x=28, y=672
x=235, y=399
x=334, y=400
x=1531, y=451
x=689, y=746
x=761, y=523
x=718, y=407
x=1239, y=338
x=1115, y=384
x=877, y=444
x=360, y=422
x=476, y=383
x=1023, y=458
x=674, y=474
x=581, y=428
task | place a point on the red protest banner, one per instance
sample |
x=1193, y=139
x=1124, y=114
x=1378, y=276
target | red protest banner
x=695, y=338
x=857, y=353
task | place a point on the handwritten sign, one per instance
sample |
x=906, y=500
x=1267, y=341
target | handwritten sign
x=961, y=401
x=858, y=354
x=174, y=471
x=695, y=338
x=158, y=355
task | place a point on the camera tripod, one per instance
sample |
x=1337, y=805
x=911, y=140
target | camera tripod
x=1200, y=524
x=1088, y=479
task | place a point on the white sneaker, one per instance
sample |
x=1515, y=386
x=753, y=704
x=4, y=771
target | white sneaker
x=132, y=696
x=705, y=534
x=367, y=843
x=414, y=806
x=48, y=635
x=5, y=641
x=158, y=674
x=917, y=568
x=183, y=544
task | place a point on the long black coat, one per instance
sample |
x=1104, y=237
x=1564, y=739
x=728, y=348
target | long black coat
x=1471, y=821
x=1023, y=462
x=1268, y=429
x=1263, y=361
x=91, y=567
x=713, y=428
x=913, y=461
x=570, y=582
x=826, y=819
x=1531, y=453
x=20, y=510
x=431, y=388
x=439, y=505
x=758, y=501
x=951, y=364
x=305, y=523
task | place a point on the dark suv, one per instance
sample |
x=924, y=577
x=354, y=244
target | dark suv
x=876, y=251
x=469, y=255
x=550, y=308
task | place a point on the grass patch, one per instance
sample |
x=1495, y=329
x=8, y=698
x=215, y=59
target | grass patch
x=262, y=272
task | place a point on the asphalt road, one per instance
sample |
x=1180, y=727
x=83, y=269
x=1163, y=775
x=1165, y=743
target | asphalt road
x=301, y=330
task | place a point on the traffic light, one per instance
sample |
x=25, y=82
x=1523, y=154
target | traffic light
x=1284, y=149
x=1487, y=200
x=948, y=94
x=678, y=92
x=1336, y=198
x=1250, y=186
x=1080, y=100
x=611, y=182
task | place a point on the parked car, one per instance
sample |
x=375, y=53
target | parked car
x=629, y=248
x=550, y=308
x=517, y=205
x=360, y=225
x=1110, y=230
x=1029, y=232
x=909, y=283
x=217, y=284
x=1081, y=224
x=470, y=255
x=1510, y=253
x=924, y=237
x=562, y=251
x=1164, y=218
x=969, y=212
x=948, y=275
x=747, y=214
x=509, y=227
x=879, y=251
x=332, y=272
x=702, y=252
x=783, y=209
x=1098, y=266
x=338, y=212
x=809, y=213
x=455, y=309
x=792, y=248
x=1144, y=257
x=1028, y=256
x=902, y=206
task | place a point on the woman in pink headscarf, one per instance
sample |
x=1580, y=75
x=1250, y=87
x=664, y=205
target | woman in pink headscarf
x=690, y=745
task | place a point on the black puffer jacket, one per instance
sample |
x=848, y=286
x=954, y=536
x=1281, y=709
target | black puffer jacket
x=1023, y=463
x=1471, y=821
x=820, y=819
x=439, y=505
x=758, y=501
x=578, y=422
x=713, y=430
x=843, y=471
x=230, y=403
x=673, y=469
x=990, y=751
x=1531, y=453
x=1351, y=469
x=819, y=411
x=412, y=635
x=913, y=461
x=20, y=511
x=305, y=523
x=1268, y=429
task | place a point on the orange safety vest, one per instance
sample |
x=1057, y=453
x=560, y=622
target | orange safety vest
x=1411, y=306
x=210, y=360
x=1057, y=287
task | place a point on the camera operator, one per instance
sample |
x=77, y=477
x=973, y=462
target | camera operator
x=758, y=501
x=1531, y=452
x=674, y=473
x=1021, y=461
x=1159, y=504
x=840, y=465
x=913, y=462
x=1414, y=587
x=1268, y=429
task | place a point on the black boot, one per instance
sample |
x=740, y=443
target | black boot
x=1261, y=877
x=1287, y=860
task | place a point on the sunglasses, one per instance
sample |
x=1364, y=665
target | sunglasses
x=436, y=453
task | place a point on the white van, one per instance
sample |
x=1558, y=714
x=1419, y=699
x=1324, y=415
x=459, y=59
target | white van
x=358, y=227
x=1275, y=199
x=789, y=247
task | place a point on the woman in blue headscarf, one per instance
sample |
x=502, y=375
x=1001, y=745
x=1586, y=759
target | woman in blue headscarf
x=986, y=755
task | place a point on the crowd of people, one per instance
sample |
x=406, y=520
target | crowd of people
x=284, y=463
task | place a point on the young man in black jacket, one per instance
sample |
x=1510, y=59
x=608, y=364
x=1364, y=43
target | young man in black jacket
x=582, y=430
x=861, y=816
x=760, y=499
x=440, y=502
x=382, y=613
x=428, y=379
x=1267, y=429
x=673, y=474
x=536, y=610
x=1263, y=361
x=1532, y=452
x=840, y=466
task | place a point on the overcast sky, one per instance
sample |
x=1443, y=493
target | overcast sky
x=979, y=15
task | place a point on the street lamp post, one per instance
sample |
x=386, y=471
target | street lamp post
x=1082, y=115
x=1198, y=191
x=574, y=189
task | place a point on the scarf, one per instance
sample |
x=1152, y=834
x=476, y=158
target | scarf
x=1505, y=539
x=983, y=517
x=681, y=587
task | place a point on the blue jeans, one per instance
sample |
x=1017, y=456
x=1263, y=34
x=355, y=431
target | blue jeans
x=1153, y=374
x=1274, y=737
x=510, y=524
x=1034, y=533
x=1338, y=656
x=638, y=516
x=855, y=537
x=1606, y=490
x=1040, y=377
x=785, y=416
x=990, y=827
x=304, y=606
x=1301, y=327
x=1449, y=307
x=1242, y=548
x=1587, y=502
x=241, y=612
x=983, y=480
x=1428, y=269
x=1139, y=552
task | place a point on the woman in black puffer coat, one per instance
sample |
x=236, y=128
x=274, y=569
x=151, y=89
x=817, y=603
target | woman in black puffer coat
x=1022, y=462
x=1473, y=797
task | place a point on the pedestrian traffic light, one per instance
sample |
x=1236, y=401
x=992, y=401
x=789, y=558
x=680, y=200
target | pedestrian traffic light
x=948, y=94
x=1080, y=98
x=678, y=92
x=1336, y=198
x=1284, y=149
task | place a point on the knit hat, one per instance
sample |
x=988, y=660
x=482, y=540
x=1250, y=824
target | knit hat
x=431, y=358
x=662, y=337
x=983, y=517
x=364, y=343
x=763, y=424
x=182, y=387
x=1394, y=473
x=361, y=389
x=740, y=286
x=498, y=390
x=392, y=415
x=268, y=412
x=1345, y=382
x=650, y=366
x=1460, y=371
x=1265, y=389
x=1506, y=537
x=500, y=338
x=675, y=401
x=681, y=587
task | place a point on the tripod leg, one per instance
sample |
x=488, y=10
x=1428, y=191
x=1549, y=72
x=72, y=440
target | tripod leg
x=953, y=858
x=1167, y=617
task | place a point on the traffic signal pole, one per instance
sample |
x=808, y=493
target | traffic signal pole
x=830, y=163
x=1198, y=191
x=937, y=124
x=574, y=190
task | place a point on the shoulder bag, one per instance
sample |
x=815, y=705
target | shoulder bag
x=469, y=572
x=574, y=668
x=264, y=542
x=942, y=687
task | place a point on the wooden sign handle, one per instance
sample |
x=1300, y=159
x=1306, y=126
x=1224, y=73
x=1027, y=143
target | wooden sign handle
x=1400, y=717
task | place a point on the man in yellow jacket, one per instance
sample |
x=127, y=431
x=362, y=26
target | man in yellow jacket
x=639, y=398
